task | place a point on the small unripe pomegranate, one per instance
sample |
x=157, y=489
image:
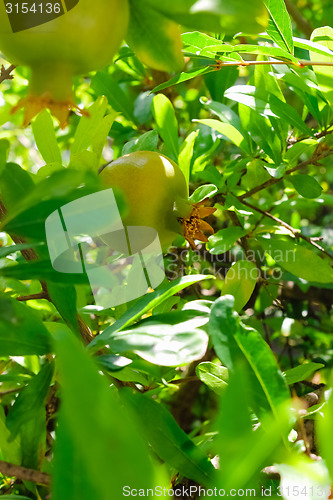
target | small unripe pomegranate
x=155, y=191
x=57, y=40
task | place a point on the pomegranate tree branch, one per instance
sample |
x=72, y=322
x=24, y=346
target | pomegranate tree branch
x=12, y=470
x=298, y=63
x=34, y=296
x=320, y=153
x=295, y=232
x=5, y=73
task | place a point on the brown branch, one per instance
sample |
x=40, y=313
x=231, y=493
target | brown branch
x=5, y=74
x=320, y=153
x=295, y=232
x=302, y=24
x=34, y=296
x=12, y=470
x=299, y=63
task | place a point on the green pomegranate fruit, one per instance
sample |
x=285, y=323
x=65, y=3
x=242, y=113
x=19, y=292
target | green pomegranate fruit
x=155, y=191
x=57, y=40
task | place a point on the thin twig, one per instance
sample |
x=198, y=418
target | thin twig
x=5, y=74
x=318, y=155
x=295, y=232
x=299, y=63
x=12, y=470
x=33, y=296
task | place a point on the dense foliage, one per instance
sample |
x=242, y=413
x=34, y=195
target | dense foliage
x=219, y=376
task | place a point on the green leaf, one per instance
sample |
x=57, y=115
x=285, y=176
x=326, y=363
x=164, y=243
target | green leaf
x=203, y=192
x=234, y=421
x=142, y=107
x=218, y=82
x=234, y=343
x=45, y=138
x=146, y=142
x=84, y=160
x=325, y=432
x=154, y=38
x=10, y=450
x=149, y=301
x=70, y=473
x=214, y=376
x=15, y=184
x=27, y=418
x=223, y=112
x=21, y=330
x=15, y=497
x=263, y=50
x=30, y=400
x=224, y=239
x=324, y=74
x=308, y=147
x=166, y=122
x=279, y=25
x=63, y=297
x=186, y=153
x=5, y=251
x=4, y=149
x=101, y=133
x=167, y=439
x=312, y=46
x=240, y=282
x=28, y=214
x=228, y=131
x=183, y=77
x=255, y=174
x=266, y=104
x=100, y=432
x=201, y=45
x=301, y=372
x=266, y=444
x=306, y=90
x=306, y=185
x=260, y=129
x=163, y=343
x=298, y=260
x=104, y=84
x=86, y=129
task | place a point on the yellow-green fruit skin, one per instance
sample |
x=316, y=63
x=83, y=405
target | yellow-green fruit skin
x=152, y=185
x=83, y=39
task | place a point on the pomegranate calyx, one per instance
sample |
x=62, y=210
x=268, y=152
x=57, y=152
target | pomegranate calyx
x=193, y=225
x=33, y=105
